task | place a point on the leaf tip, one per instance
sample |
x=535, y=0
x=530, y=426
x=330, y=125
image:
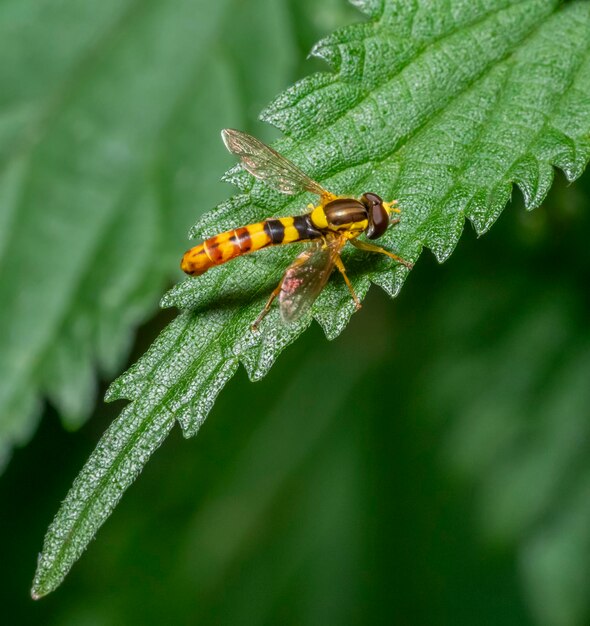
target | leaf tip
x=112, y=393
x=273, y=114
x=327, y=51
x=39, y=589
x=238, y=177
x=371, y=8
x=166, y=301
x=35, y=595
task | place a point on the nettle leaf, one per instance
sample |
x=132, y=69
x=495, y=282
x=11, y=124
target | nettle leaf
x=103, y=150
x=443, y=106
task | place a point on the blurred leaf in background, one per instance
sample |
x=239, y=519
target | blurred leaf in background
x=511, y=382
x=109, y=149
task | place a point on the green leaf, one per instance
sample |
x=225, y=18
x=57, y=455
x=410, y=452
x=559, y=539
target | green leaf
x=104, y=149
x=441, y=105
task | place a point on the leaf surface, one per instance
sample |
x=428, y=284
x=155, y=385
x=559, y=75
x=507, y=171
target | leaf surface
x=443, y=106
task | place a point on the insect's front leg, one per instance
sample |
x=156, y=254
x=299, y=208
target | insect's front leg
x=369, y=247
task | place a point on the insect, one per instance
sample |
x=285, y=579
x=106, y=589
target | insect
x=326, y=227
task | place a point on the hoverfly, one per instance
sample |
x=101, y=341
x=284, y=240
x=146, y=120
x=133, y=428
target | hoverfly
x=326, y=227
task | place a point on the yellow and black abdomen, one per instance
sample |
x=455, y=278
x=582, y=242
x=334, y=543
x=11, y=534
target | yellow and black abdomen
x=234, y=243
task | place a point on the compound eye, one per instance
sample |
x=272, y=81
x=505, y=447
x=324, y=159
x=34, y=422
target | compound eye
x=378, y=216
x=378, y=221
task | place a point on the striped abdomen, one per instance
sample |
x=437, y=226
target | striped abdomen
x=233, y=243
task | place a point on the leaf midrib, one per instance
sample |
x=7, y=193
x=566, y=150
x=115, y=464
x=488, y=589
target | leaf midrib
x=147, y=420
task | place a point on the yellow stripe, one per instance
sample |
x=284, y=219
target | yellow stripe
x=258, y=236
x=318, y=218
x=227, y=249
x=291, y=233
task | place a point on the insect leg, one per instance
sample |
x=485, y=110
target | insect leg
x=266, y=308
x=342, y=270
x=275, y=293
x=369, y=247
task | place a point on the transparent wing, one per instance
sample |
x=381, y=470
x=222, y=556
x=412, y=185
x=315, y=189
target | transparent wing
x=305, y=278
x=267, y=164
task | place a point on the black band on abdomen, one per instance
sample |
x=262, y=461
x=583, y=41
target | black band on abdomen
x=305, y=228
x=275, y=230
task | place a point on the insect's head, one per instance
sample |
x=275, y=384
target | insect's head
x=379, y=214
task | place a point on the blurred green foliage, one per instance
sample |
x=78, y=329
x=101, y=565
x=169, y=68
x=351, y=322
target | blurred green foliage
x=318, y=496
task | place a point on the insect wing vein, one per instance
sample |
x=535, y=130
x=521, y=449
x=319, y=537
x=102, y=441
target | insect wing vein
x=305, y=278
x=267, y=164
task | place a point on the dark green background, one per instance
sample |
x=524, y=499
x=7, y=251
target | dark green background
x=428, y=467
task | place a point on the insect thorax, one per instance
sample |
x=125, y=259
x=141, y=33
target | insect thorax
x=343, y=214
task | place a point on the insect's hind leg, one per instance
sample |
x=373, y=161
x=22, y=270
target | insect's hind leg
x=267, y=306
x=369, y=247
x=276, y=291
x=342, y=270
